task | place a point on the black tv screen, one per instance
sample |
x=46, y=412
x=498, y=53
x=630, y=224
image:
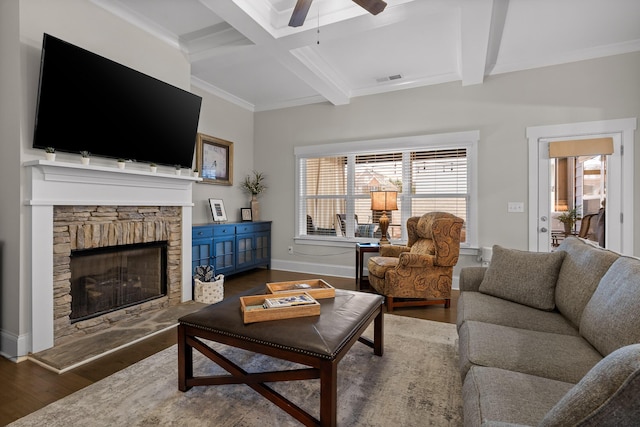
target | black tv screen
x=88, y=102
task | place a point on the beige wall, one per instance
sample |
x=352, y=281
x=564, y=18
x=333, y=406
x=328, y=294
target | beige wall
x=227, y=121
x=501, y=108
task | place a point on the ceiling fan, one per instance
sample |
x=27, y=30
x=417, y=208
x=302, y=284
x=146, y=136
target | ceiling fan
x=301, y=9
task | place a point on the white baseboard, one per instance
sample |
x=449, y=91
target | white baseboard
x=314, y=268
x=12, y=346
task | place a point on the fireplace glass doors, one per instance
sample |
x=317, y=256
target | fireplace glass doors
x=111, y=278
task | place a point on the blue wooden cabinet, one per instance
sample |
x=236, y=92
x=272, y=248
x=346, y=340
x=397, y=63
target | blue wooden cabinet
x=231, y=248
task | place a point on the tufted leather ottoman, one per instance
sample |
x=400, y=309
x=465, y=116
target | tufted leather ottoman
x=319, y=342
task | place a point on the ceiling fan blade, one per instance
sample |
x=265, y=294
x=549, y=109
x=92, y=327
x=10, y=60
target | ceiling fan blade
x=300, y=13
x=374, y=7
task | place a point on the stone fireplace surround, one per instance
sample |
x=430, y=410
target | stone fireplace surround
x=78, y=228
x=158, y=205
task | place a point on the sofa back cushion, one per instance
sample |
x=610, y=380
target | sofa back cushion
x=607, y=395
x=581, y=271
x=527, y=278
x=611, y=318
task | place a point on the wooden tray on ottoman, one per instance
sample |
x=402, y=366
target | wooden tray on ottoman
x=264, y=314
x=319, y=288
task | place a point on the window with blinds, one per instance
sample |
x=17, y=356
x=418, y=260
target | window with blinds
x=334, y=199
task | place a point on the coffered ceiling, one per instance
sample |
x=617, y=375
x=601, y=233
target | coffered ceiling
x=245, y=52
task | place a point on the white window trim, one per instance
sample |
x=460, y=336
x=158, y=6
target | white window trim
x=467, y=139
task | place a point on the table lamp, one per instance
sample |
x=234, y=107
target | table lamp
x=384, y=201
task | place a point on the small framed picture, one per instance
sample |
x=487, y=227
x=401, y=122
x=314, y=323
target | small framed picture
x=246, y=214
x=214, y=160
x=217, y=210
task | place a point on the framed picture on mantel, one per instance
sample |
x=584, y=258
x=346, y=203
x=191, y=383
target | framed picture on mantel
x=214, y=160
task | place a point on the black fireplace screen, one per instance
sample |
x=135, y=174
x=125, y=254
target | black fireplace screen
x=108, y=279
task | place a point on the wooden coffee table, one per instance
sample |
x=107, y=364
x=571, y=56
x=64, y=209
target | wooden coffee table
x=319, y=342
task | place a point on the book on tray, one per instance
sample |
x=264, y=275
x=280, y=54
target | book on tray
x=288, y=301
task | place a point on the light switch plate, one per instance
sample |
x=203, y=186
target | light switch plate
x=515, y=207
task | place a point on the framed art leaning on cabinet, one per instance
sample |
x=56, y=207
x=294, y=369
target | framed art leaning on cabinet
x=217, y=210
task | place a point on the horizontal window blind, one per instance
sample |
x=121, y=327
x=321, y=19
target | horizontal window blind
x=440, y=181
x=334, y=191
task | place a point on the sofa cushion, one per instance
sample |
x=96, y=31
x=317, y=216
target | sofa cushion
x=555, y=356
x=611, y=318
x=581, y=271
x=495, y=396
x=490, y=309
x=527, y=278
x=607, y=395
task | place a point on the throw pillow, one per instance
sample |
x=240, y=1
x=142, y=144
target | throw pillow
x=527, y=278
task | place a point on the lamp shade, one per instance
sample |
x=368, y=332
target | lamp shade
x=384, y=200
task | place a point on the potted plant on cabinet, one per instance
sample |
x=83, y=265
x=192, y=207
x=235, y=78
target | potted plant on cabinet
x=178, y=169
x=254, y=185
x=153, y=167
x=121, y=163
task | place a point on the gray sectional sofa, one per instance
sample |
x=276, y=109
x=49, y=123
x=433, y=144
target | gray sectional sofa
x=551, y=339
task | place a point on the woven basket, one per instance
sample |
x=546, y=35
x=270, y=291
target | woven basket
x=209, y=292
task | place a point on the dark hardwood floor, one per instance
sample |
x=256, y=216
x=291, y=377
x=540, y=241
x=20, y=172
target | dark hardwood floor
x=28, y=387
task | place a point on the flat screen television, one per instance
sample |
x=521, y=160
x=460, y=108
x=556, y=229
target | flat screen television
x=89, y=103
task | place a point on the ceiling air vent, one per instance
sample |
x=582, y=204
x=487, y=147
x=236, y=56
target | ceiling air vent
x=389, y=78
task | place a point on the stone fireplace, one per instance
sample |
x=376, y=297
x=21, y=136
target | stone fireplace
x=100, y=266
x=77, y=210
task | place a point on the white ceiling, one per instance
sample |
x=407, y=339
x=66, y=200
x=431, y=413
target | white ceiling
x=244, y=51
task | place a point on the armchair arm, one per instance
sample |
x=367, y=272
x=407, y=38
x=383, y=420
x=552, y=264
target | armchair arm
x=471, y=277
x=410, y=260
x=393, y=250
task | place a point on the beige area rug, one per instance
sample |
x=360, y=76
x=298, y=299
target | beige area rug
x=415, y=383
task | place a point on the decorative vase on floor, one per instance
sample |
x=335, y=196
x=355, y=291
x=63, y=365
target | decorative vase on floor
x=255, y=208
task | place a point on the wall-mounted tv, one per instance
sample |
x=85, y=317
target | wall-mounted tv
x=88, y=102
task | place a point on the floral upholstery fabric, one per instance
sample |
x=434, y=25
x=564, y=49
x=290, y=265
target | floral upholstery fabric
x=423, y=268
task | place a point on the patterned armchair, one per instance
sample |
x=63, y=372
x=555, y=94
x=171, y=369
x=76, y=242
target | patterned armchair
x=422, y=271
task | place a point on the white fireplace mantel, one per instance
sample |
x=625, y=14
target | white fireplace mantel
x=56, y=183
